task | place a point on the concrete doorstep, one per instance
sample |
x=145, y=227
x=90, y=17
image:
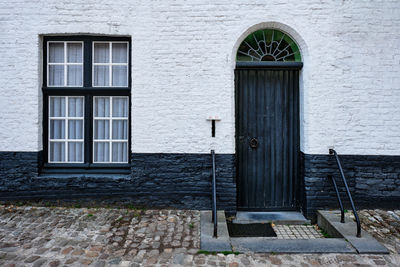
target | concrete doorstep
x=207, y=241
x=366, y=244
x=343, y=241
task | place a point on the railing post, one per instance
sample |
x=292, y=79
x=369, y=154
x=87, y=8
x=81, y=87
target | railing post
x=333, y=152
x=338, y=198
x=214, y=196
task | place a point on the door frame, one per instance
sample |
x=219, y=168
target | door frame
x=268, y=65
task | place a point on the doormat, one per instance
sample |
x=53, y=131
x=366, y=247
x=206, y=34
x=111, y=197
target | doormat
x=251, y=230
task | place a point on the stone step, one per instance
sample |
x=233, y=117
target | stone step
x=366, y=244
x=276, y=217
x=207, y=241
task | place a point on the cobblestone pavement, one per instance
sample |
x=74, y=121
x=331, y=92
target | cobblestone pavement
x=39, y=236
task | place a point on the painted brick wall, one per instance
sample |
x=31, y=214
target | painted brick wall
x=183, y=60
x=156, y=180
x=374, y=181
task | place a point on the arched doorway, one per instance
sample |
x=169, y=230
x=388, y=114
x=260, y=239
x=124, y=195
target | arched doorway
x=268, y=63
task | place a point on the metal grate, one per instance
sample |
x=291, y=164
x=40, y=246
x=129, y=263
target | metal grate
x=251, y=230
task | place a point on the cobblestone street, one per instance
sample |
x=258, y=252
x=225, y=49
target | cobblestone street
x=44, y=236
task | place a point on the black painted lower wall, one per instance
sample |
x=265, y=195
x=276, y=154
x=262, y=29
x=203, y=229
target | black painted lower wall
x=184, y=181
x=374, y=181
x=156, y=180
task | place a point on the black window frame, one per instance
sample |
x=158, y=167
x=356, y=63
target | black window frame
x=88, y=91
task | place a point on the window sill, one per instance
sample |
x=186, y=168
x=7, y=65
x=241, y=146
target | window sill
x=85, y=168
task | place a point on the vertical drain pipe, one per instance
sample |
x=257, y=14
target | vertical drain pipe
x=214, y=196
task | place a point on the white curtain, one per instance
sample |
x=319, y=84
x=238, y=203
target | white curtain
x=119, y=73
x=74, y=52
x=119, y=130
x=58, y=131
x=57, y=106
x=101, y=75
x=102, y=107
x=101, y=53
x=57, y=151
x=120, y=107
x=102, y=72
x=75, y=129
x=74, y=75
x=75, y=106
x=75, y=151
x=56, y=52
x=56, y=72
x=101, y=129
x=56, y=75
x=119, y=53
x=119, y=76
x=119, y=152
x=74, y=72
x=101, y=152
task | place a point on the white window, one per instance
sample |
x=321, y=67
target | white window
x=110, y=64
x=66, y=129
x=65, y=64
x=110, y=129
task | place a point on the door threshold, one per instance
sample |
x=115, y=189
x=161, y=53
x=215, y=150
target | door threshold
x=276, y=217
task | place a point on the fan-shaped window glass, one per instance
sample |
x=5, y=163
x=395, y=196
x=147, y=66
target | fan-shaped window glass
x=268, y=45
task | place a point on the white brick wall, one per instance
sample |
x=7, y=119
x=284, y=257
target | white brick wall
x=182, y=68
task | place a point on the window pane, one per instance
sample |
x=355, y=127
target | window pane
x=57, y=129
x=101, y=152
x=102, y=53
x=75, y=106
x=102, y=107
x=101, y=76
x=120, y=107
x=74, y=52
x=119, y=53
x=57, y=151
x=56, y=75
x=75, y=129
x=120, y=129
x=119, y=152
x=57, y=106
x=56, y=52
x=120, y=76
x=101, y=129
x=75, y=151
x=74, y=75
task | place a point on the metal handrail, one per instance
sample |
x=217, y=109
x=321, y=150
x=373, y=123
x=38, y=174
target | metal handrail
x=338, y=198
x=214, y=196
x=333, y=152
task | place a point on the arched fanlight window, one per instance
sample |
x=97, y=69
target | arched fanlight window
x=268, y=45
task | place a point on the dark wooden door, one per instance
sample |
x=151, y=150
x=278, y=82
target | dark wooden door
x=267, y=138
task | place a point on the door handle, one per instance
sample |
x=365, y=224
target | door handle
x=253, y=143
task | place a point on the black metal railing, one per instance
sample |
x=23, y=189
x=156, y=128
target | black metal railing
x=214, y=196
x=338, y=198
x=333, y=152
